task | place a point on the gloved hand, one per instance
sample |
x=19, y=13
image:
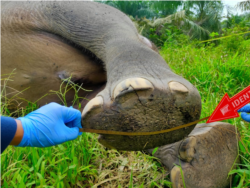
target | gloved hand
x=50, y=125
x=244, y=112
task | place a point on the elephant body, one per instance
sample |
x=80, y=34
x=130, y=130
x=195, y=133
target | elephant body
x=133, y=88
x=99, y=48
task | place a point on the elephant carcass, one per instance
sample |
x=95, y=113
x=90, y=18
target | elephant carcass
x=134, y=90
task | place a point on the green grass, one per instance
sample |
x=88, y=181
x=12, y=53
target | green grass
x=86, y=163
x=214, y=72
x=79, y=163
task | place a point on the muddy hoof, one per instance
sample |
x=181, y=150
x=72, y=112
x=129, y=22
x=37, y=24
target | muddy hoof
x=206, y=156
x=143, y=105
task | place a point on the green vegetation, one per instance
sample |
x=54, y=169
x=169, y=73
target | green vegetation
x=145, y=9
x=160, y=20
x=79, y=163
x=214, y=67
x=214, y=70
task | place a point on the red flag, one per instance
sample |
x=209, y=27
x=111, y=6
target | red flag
x=227, y=107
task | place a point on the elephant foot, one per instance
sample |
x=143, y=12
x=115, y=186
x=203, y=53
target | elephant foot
x=204, y=159
x=142, y=105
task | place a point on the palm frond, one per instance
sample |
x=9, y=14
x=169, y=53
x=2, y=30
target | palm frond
x=176, y=16
x=244, y=5
x=145, y=12
x=247, y=17
x=195, y=30
x=180, y=20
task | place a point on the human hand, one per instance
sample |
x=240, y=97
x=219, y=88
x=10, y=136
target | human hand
x=244, y=112
x=50, y=125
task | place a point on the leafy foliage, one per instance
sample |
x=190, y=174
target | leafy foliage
x=214, y=70
x=214, y=67
x=244, y=5
x=206, y=14
x=158, y=30
x=137, y=9
x=195, y=19
x=165, y=8
x=145, y=9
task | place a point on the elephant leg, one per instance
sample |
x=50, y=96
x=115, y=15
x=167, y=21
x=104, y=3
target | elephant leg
x=205, y=157
x=142, y=94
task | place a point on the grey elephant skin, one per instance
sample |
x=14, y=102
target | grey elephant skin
x=204, y=158
x=134, y=89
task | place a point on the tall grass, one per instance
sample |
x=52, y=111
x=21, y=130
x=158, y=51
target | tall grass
x=216, y=71
x=79, y=163
x=85, y=163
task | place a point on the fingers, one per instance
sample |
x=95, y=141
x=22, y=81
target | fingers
x=72, y=133
x=245, y=109
x=74, y=123
x=48, y=109
x=245, y=116
x=72, y=117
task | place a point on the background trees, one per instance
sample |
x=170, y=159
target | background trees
x=182, y=21
x=146, y=9
x=136, y=9
x=206, y=14
x=244, y=5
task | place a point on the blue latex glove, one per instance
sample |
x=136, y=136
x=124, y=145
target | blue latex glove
x=50, y=125
x=244, y=112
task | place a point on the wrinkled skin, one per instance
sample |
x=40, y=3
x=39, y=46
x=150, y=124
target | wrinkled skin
x=133, y=89
x=97, y=45
x=206, y=156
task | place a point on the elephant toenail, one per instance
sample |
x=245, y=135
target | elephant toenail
x=177, y=87
x=131, y=84
x=187, y=150
x=93, y=103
